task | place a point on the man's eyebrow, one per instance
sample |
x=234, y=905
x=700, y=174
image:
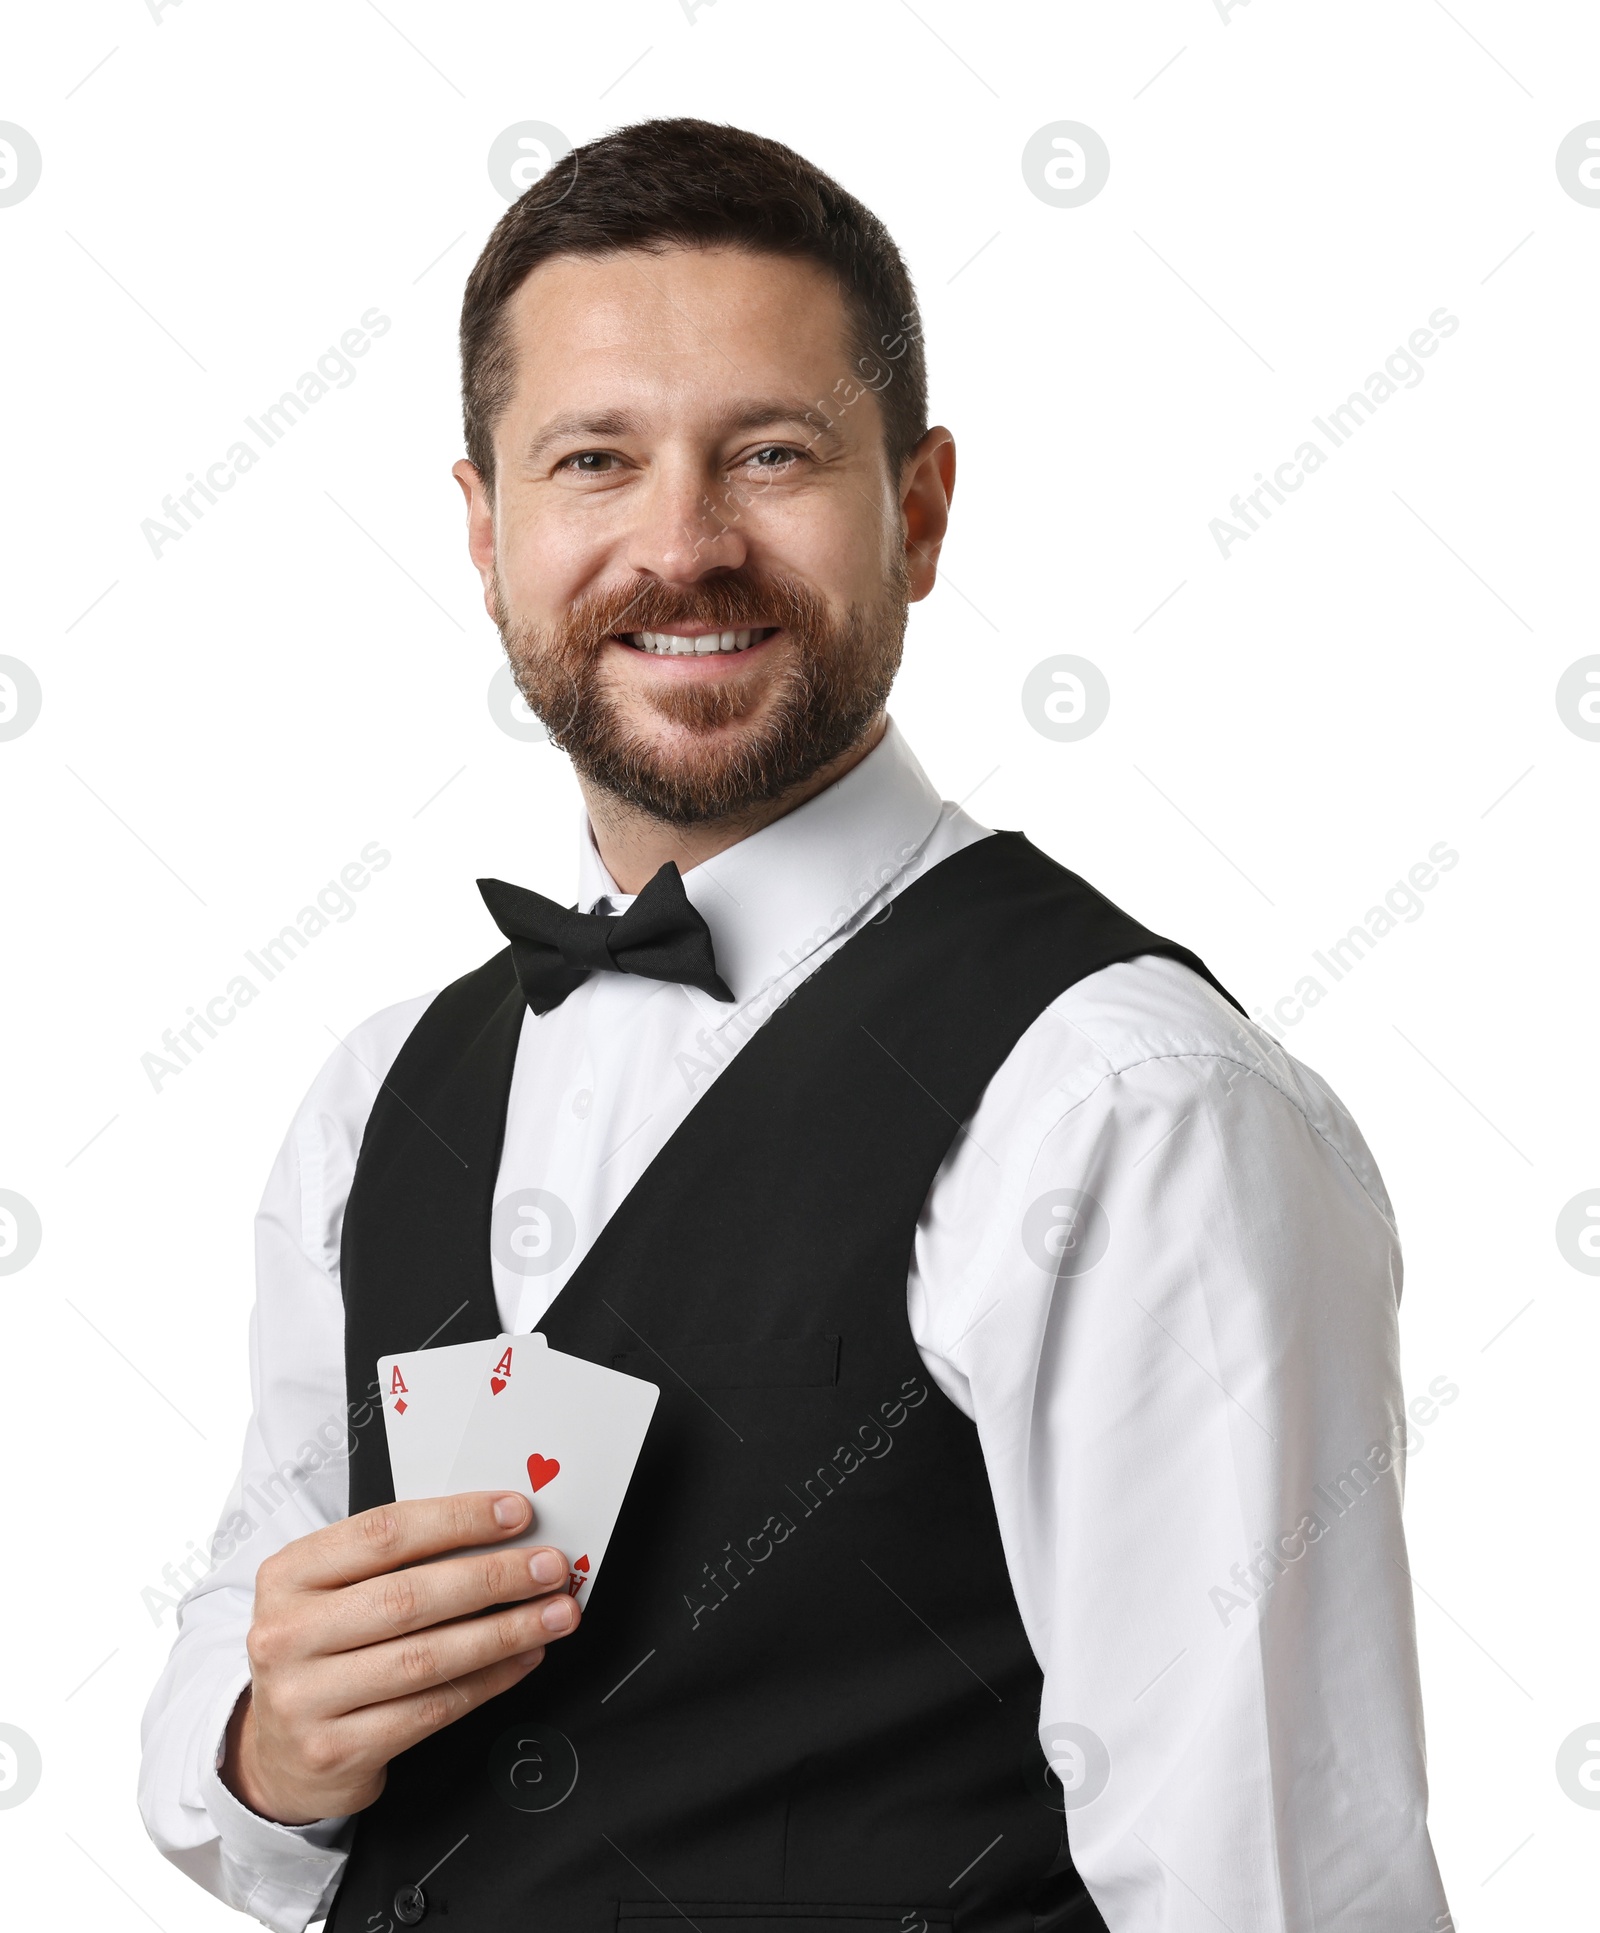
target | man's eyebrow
x=579, y=426
x=763, y=414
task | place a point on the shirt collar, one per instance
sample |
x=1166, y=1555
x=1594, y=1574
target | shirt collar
x=774, y=898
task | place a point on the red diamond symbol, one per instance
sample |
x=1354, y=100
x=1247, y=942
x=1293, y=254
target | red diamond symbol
x=400, y=1407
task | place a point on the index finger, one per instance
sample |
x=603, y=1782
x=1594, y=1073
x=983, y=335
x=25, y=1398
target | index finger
x=397, y=1534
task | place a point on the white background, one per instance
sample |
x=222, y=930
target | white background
x=223, y=728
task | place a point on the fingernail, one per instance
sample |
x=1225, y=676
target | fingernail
x=547, y=1566
x=557, y=1616
x=509, y=1511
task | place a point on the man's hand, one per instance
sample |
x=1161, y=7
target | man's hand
x=354, y=1655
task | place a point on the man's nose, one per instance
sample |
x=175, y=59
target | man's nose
x=689, y=525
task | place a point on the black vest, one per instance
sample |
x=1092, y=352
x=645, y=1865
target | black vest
x=802, y=1700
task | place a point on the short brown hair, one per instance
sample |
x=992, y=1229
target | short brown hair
x=688, y=183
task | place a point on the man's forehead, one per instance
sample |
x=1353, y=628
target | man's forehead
x=672, y=271
x=729, y=317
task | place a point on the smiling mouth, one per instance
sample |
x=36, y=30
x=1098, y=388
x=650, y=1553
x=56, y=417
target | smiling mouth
x=700, y=644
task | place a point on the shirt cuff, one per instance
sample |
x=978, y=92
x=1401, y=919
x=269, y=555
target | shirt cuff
x=283, y=1875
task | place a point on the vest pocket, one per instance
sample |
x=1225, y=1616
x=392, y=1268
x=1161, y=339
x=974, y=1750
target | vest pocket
x=655, y=1916
x=793, y=1362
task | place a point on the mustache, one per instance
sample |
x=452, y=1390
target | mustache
x=735, y=601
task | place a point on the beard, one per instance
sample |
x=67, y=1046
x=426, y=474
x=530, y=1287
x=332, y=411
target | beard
x=690, y=751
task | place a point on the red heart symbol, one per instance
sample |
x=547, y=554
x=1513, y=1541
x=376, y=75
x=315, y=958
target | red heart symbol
x=497, y=1383
x=541, y=1469
x=582, y=1564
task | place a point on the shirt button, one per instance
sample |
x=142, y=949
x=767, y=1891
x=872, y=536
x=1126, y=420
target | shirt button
x=582, y=1101
x=410, y=1903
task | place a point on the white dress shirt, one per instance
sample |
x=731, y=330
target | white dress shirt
x=1195, y=1443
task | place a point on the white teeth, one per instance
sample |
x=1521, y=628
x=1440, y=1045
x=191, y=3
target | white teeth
x=705, y=645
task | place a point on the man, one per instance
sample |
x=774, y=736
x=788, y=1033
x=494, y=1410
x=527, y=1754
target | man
x=1017, y=1543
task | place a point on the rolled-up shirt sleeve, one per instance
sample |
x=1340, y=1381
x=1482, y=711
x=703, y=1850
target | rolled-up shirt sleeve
x=293, y=1479
x=1180, y=1348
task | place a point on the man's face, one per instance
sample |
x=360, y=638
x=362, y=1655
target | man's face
x=696, y=554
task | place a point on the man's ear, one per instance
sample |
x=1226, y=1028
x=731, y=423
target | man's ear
x=928, y=481
x=480, y=528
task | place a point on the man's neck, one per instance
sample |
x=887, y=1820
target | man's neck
x=634, y=847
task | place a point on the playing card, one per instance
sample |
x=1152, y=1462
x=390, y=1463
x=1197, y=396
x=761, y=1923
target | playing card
x=567, y=1434
x=427, y=1397
x=508, y=1350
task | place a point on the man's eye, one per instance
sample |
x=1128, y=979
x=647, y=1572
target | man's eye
x=773, y=456
x=588, y=463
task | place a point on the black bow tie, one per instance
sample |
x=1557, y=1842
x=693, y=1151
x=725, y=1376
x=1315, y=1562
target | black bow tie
x=555, y=949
